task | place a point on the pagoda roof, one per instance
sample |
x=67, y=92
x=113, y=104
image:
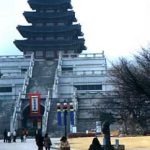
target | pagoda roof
x=34, y=31
x=24, y=45
x=31, y=16
x=49, y=42
x=49, y=3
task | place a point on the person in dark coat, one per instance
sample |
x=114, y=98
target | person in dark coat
x=5, y=135
x=21, y=135
x=106, y=132
x=95, y=144
x=47, y=142
x=39, y=140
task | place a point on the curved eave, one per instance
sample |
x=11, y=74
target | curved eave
x=49, y=42
x=29, y=31
x=45, y=4
x=24, y=45
x=49, y=17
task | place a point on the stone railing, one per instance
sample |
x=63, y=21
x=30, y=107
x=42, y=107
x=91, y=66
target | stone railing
x=84, y=55
x=96, y=94
x=57, y=74
x=12, y=75
x=11, y=56
x=92, y=55
x=17, y=109
x=46, y=112
x=82, y=73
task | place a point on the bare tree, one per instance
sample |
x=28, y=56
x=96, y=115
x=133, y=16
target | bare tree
x=132, y=80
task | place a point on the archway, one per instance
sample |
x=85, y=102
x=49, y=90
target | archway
x=32, y=122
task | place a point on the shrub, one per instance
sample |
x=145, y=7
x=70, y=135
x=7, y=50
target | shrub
x=81, y=134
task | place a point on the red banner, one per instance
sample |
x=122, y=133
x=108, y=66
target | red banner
x=34, y=100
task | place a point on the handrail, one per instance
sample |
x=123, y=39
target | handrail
x=75, y=104
x=45, y=115
x=14, y=116
x=57, y=74
x=17, y=109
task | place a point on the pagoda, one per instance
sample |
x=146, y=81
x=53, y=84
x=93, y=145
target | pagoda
x=53, y=28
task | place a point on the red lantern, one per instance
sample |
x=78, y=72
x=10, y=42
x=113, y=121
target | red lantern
x=59, y=106
x=71, y=107
x=65, y=106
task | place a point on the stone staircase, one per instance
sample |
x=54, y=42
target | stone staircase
x=53, y=129
x=43, y=77
x=86, y=119
x=41, y=82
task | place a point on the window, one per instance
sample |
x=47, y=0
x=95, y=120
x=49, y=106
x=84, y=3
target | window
x=39, y=38
x=28, y=53
x=39, y=24
x=88, y=87
x=49, y=24
x=60, y=38
x=49, y=38
x=39, y=53
x=23, y=70
x=49, y=54
x=5, y=89
x=50, y=10
x=67, y=69
x=60, y=24
x=1, y=74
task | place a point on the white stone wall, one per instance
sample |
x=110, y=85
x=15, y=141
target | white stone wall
x=12, y=74
x=86, y=70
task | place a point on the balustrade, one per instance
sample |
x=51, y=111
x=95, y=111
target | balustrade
x=46, y=112
x=17, y=109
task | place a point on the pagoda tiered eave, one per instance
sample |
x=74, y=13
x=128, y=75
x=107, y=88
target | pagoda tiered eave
x=33, y=17
x=48, y=4
x=31, y=31
x=25, y=45
x=49, y=42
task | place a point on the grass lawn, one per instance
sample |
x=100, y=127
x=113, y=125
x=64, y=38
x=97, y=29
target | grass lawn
x=131, y=143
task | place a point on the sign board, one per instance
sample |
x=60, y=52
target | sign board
x=74, y=129
x=34, y=104
x=98, y=127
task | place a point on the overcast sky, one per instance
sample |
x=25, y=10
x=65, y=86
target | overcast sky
x=119, y=27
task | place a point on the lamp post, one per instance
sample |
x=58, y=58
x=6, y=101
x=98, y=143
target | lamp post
x=65, y=109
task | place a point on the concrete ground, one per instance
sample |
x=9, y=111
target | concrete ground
x=28, y=145
x=31, y=145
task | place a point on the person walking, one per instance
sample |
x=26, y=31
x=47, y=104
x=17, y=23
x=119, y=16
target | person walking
x=25, y=134
x=5, y=136
x=21, y=135
x=47, y=142
x=9, y=136
x=95, y=144
x=39, y=140
x=14, y=136
x=64, y=144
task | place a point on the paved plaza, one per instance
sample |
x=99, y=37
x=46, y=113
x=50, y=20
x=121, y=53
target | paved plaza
x=28, y=145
